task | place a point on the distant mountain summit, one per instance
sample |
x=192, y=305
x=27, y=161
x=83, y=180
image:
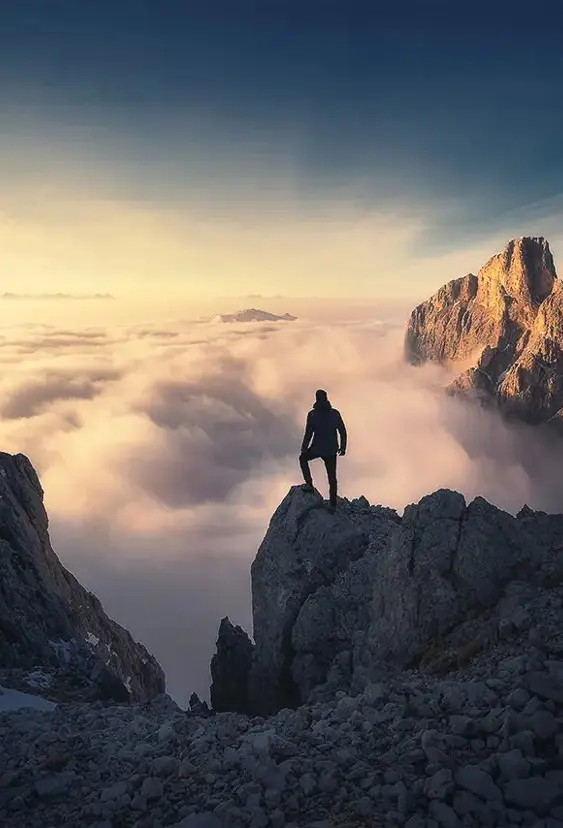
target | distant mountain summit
x=507, y=323
x=253, y=315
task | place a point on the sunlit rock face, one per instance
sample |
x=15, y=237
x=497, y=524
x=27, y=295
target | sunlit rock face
x=507, y=323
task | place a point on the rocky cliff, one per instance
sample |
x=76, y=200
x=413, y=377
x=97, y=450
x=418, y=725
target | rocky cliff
x=342, y=600
x=427, y=651
x=507, y=323
x=51, y=628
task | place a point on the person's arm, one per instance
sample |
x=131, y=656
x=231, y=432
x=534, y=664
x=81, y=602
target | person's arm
x=343, y=434
x=308, y=433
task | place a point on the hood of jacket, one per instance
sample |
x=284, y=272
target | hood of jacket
x=322, y=405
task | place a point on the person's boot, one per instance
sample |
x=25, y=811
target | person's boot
x=332, y=496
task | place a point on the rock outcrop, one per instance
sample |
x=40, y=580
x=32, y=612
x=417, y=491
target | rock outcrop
x=230, y=669
x=50, y=624
x=345, y=599
x=307, y=586
x=311, y=592
x=447, y=562
x=507, y=323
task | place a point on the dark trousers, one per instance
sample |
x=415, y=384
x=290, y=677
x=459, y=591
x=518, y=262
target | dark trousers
x=330, y=463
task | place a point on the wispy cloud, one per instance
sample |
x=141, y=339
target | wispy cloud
x=36, y=296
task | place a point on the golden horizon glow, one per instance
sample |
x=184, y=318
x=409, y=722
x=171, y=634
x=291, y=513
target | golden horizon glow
x=57, y=240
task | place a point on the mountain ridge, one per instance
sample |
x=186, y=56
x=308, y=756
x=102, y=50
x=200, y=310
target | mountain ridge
x=252, y=315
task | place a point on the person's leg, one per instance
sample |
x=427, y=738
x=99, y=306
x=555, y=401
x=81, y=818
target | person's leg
x=304, y=458
x=330, y=463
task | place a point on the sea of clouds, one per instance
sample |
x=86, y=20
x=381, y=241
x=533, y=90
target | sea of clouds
x=163, y=450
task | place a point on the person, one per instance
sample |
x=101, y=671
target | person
x=324, y=425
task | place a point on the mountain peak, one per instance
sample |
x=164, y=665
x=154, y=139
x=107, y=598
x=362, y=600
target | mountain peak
x=524, y=269
x=508, y=323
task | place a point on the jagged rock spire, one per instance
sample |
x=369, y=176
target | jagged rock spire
x=524, y=269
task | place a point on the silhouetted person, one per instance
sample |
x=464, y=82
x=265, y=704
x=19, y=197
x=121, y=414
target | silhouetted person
x=324, y=424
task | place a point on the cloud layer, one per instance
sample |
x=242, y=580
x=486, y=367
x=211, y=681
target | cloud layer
x=164, y=449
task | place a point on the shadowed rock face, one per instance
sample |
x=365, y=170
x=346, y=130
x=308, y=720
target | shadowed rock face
x=230, y=669
x=342, y=600
x=304, y=551
x=311, y=591
x=506, y=321
x=445, y=561
x=47, y=619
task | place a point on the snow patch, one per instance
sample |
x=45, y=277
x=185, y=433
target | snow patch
x=92, y=639
x=11, y=700
x=113, y=654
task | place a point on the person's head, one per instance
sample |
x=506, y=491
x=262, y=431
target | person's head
x=321, y=400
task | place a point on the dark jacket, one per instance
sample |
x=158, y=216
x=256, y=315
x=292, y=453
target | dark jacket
x=324, y=423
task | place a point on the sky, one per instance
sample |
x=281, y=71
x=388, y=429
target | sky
x=170, y=150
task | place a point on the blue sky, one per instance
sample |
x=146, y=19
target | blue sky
x=446, y=112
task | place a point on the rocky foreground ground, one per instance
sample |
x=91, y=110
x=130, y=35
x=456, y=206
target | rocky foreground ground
x=404, y=671
x=481, y=746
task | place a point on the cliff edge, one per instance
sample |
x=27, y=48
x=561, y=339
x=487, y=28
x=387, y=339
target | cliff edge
x=343, y=600
x=50, y=626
